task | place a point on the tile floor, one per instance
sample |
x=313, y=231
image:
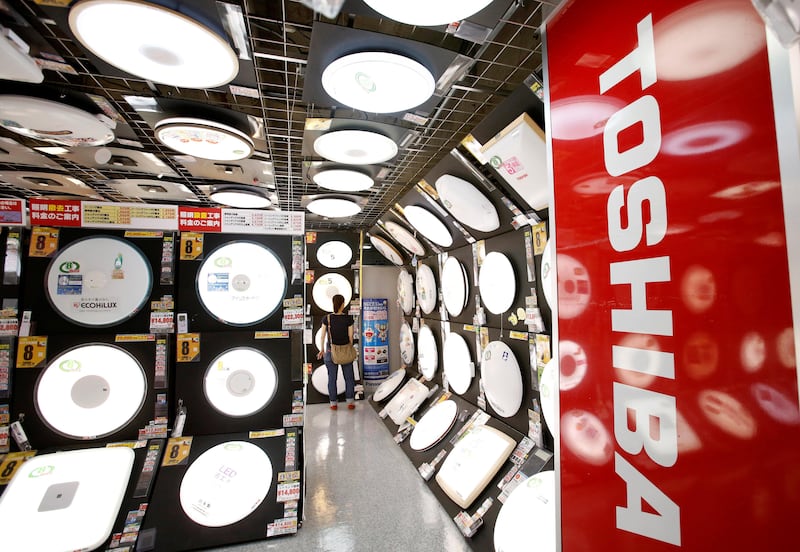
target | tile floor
x=362, y=493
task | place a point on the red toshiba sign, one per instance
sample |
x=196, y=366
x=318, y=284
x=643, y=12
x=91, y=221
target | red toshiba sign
x=683, y=429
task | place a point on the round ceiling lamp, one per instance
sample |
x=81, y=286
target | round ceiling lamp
x=378, y=82
x=343, y=180
x=355, y=147
x=240, y=198
x=204, y=139
x=154, y=43
x=425, y=13
x=429, y=225
x=333, y=207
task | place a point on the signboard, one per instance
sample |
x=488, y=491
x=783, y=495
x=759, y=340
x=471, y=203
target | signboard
x=12, y=212
x=199, y=219
x=375, y=339
x=55, y=212
x=673, y=280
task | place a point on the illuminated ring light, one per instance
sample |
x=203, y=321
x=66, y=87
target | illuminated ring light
x=334, y=254
x=355, y=147
x=240, y=198
x=457, y=363
x=497, y=282
x=176, y=50
x=343, y=180
x=429, y=225
x=705, y=138
x=389, y=385
x=241, y=283
x=319, y=379
x=386, y=249
x=425, y=13
x=502, y=379
x=586, y=437
x=434, y=425
x=466, y=203
x=204, y=139
x=548, y=391
x=529, y=515
x=52, y=122
x=91, y=391
x=226, y=484
x=426, y=288
x=328, y=285
x=405, y=291
x=407, y=348
x=454, y=286
x=427, y=353
x=240, y=382
x=99, y=281
x=378, y=82
x=405, y=238
x=333, y=207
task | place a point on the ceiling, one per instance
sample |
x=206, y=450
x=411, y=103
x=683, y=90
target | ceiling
x=287, y=40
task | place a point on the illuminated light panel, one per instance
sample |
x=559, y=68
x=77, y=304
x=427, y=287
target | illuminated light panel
x=355, y=147
x=428, y=225
x=204, y=139
x=242, y=199
x=343, y=180
x=333, y=207
x=425, y=13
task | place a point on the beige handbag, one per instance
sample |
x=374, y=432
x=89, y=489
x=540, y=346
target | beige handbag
x=341, y=354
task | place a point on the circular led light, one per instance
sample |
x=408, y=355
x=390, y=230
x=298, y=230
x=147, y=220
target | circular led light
x=355, y=147
x=378, y=82
x=329, y=285
x=529, y=515
x=175, y=49
x=204, y=139
x=389, y=385
x=457, y=363
x=428, y=225
x=333, y=207
x=405, y=291
x=242, y=199
x=334, y=254
x=407, y=349
x=91, y=391
x=497, y=283
x=426, y=288
x=319, y=379
x=468, y=204
x=434, y=425
x=502, y=379
x=240, y=382
x=427, y=353
x=226, y=484
x=386, y=249
x=425, y=13
x=343, y=180
x=454, y=286
x=405, y=238
x=548, y=391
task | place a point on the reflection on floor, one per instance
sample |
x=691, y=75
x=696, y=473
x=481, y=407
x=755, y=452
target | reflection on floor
x=362, y=495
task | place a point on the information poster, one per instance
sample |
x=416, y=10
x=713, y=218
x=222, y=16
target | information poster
x=375, y=339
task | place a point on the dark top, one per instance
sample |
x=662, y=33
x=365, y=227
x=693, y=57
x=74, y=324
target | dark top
x=339, y=323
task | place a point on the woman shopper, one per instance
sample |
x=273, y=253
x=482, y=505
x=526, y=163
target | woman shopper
x=339, y=330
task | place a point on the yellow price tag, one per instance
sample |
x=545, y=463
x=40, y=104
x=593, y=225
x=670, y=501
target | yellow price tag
x=32, y=352
x=271, y=335
x=521, y=336
x=44, y=241
x=11, y=464
x=188, y=347
x=191, y=245
x=177, y=453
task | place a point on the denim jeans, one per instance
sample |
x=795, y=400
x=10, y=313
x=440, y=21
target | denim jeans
x=333, y=375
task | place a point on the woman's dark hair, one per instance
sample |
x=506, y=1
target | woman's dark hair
x=338, y=301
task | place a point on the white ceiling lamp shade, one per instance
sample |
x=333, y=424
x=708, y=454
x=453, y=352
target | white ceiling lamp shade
x=333, y=207
x=389, y=385
x=405, y=238
x=334, y=254
x=497, y=282
x=426, y=288
x=548, y=393
x=468, y=204
x=428, y=224
x=547, y=273
x=425, y=13
x=154, y=43
x=502, y=379
x=355, y=147
x=343, y=180
x=388, y=250
x=54, y=122
x=407, y=401
x=529, y=515
x=319, y=379
x=405, y=291
x=378, y=82
x=407, y=349
x=458, y=366
x=17, y=64
x=434, y=425
x=240, y=382
x=204, y=138
x=454, y=286
x=427, y=352
x=327, y=286
x=240, y=198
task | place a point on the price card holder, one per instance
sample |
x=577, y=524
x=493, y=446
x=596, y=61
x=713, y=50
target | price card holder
x=188, y=347
x=44, y=242
x=177, y=451
x=32, y=352
x=11, y=464
x=191, y=246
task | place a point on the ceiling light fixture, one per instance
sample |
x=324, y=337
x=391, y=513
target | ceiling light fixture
x=333, y=207
x=378, y=82
x=343, y=180
x=355, y=147
x=240, y=198
x=426, y=13
x=204, y=139
x=175, y=49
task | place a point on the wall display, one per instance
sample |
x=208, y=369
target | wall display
x=225, y=484
x=240, y=382
x=428, y=224
x=458, y=366
x=241, y=283
x=328, y=285
x=405, y=238
x=426, y=288
x=389, y=385
x=407, y=349
x=65, y=500
x=497, y=282
x=467, y=204
x=319, y=379
x=386, y=249
x=407, y=401
x=405, y=291
x=455, y=286
x=473, y=462
x=427, y=352
x=547, y=273
x=434, y=425
x=529, y=516
x=548, y=391
x=334, y=254
x=502, y=379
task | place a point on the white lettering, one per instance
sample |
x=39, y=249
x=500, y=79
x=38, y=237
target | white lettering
x=645, y=111
x=639, y=319
x=642, y=59
x=655, y=423
x=644, y=361
x=650, y=190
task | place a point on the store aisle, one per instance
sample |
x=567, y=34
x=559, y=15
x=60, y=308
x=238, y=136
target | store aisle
x=362, y=494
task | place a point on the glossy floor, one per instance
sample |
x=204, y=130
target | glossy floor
x=362, y=495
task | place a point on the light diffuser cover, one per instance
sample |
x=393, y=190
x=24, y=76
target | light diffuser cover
x=405, y=291
x=405, y=238
x=497, y=282
x=407, y=349
x=434, y=425
x=502, y=379
x=429, y=225
x=334, y=254
x=529, y=515
x=386, y=249
x=355, y=147
x=458, y=366
x=427, y=352
x=424, y=13
x=388, y=386
x=426, y=288
x=455, y=286
x=466, y=203
x=328, y=285
x=333, y=207
x=204, y=138
x=343, y=180
x=240, y=382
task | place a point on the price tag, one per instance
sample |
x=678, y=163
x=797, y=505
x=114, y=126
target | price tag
x=44, y=242
x=32, y=352
x=177, y=453
x=188, y=347
x=191, y=246
x=288, y=491
x=12, y=462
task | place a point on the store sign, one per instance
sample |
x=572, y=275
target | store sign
x=681, y=429
x=55, y=212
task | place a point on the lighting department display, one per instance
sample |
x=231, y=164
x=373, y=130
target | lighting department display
x=467, y=204
x=240, y=381
x=355, y=147
x=99, y=281
x=334, y=254
x=204, y=138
